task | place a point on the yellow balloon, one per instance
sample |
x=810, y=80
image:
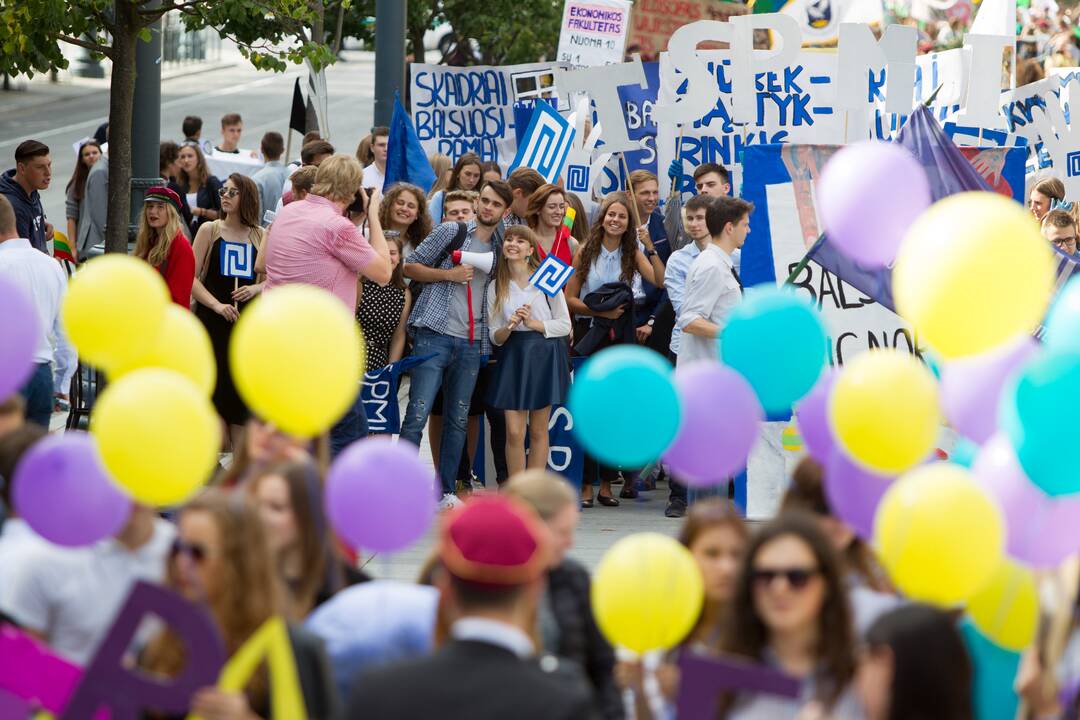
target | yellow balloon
x=939, y=534
x=113, y=309
x=883, y=410
x=647, y=592
x=1006, y=609
x=158, y=435
x=973, y=272
x=181, y=345
x=297, y=357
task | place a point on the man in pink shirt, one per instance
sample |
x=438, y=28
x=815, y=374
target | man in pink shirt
x=312, y=241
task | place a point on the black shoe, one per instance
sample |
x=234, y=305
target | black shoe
x=676, y=508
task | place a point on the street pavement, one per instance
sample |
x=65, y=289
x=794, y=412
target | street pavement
x=62, y=114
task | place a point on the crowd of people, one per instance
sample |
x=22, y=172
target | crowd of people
x=512, y=630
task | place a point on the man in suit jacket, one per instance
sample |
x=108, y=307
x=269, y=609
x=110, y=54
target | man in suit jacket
x=493, y=553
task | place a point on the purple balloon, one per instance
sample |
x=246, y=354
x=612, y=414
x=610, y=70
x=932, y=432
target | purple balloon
x=63, y=491
x=720, y=417
x=812, y=417
x=971, y=386
x=869, y=194
x=379, y=495
x=19, y=335
x=854, y=492
x=1041, y=531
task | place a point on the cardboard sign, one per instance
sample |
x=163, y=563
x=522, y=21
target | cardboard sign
x=702, y=680
x=546, y=143
x=471, y=109
x=237, y=260
x=593, y=32
x=551, y=276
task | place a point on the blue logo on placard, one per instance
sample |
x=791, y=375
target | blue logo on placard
x=1072, y=163
x=551, y=276
x=577, y=178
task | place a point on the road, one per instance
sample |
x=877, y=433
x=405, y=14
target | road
x=61, y=116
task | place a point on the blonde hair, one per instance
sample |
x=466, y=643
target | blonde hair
x=338, y=178
x=502, y=268
x=441, y=164
x=153, y=245
x=545, y=492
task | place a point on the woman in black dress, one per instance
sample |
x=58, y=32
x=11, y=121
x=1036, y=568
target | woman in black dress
x=382, y=312
x=221, y=298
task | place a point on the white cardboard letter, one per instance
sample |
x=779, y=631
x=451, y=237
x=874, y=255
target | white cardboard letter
x=860, y=53
x=602, y=85
x=981, y=106
x=702, y=90
x=746, y=62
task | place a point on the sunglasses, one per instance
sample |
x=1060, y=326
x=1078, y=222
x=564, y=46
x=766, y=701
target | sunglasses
x=797, y=578
x=195, y=551
x=228, y=192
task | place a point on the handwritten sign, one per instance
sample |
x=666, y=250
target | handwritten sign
x=457, y=110
x=593, y=32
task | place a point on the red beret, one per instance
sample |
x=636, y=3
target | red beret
x=494, y=540
x=163, y=194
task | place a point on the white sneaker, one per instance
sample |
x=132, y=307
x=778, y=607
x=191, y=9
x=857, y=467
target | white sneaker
x=449, y=501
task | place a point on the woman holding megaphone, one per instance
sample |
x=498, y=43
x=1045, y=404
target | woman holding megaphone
x=533, y=372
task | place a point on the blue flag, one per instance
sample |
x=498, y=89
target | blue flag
x=948, y=171
x=405, y=158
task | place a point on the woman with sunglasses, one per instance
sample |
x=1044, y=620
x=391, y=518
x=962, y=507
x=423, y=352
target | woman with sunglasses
x=289, y=500
x=198, y=185
x=221, y=561
x=221, y=298
x=161, y=242
x=716, y=536
x=867, y=585
x=790, y=612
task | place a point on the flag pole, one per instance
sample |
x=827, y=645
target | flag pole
x=802, y=263
x=288, y=146
x=630, y=187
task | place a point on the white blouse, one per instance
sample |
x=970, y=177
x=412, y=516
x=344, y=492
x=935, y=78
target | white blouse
x=550, y=311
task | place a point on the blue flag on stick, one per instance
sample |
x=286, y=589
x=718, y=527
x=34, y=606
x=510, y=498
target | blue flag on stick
x=405, y=158
x=948, y=171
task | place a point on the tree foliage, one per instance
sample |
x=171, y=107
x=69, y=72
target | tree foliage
x=508, y=31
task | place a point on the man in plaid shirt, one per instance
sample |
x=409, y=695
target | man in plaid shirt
x=445, y=325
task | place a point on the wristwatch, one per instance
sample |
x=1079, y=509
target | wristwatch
x=649, y=254
x=651, y=321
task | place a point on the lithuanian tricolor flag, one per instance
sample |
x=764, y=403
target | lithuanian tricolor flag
x=61, y=248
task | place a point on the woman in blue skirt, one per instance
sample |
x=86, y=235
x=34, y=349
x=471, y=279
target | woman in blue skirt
x=533, y=372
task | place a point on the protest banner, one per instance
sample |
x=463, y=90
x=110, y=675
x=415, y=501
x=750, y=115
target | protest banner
x=379, y=394
x=653, y=21
x=593, y=32
x=565, y=454
x=471, y=109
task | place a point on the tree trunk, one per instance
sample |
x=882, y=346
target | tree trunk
x=125, y=32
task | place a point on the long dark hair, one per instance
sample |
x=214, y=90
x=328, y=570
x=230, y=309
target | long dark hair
x=588, y=252
x=455, y=174
x=192, y=183
x=807, y=493
x=931, y=669
x=704, y=516
x=316, y=554
x=247, y=205
x=747, y=634
x=78, y=177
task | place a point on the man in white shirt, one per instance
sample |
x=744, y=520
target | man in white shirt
x=678, y=265
x=17, y=541
x=713, y=287
x=44, y=281
x=375, y=173
x=69, y=598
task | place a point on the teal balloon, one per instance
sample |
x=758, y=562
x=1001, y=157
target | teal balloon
x=776, y=340
x=625, y=407
x=964, y=452
x=1040, y=409
x=1063, y=321
x=994, y=671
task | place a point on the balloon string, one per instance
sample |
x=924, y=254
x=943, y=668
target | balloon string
x=1001, y=613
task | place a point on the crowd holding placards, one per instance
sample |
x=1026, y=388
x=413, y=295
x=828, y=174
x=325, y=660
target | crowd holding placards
x=231, y=344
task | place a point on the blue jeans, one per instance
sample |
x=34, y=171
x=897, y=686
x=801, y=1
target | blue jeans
x=351, y=427
x=38, y=394
x=454, y=367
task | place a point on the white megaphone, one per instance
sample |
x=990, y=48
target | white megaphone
x=482, y=261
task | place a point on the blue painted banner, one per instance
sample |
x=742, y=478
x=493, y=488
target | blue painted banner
x=380, y=395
